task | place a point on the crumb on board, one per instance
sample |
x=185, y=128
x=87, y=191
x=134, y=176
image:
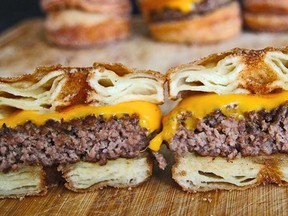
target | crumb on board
x=207, y=199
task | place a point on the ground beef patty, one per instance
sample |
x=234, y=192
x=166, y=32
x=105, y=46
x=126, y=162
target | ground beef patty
x=174, y=14
x=92, y=139
x=259, y=133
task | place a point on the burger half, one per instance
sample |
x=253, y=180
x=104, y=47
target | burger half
x=94, y=123
x=230, y=130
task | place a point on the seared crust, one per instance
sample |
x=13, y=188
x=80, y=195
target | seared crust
x=266, y=21
x=106, y=6
x=266, y=6
x=238, y=71
x=259, y=170
x=218, y=25
x=81, y=35
x=145, y=170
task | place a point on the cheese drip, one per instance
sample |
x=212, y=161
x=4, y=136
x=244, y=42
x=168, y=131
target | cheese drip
x=202, y=105
x=183, y=5
x=149, y=114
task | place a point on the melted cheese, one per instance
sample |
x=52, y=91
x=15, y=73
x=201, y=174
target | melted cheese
x=149, y=114
x=202, y=105
x=182, y=5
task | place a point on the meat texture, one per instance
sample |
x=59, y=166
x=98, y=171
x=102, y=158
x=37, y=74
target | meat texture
x=91, y=139
x=258, y=133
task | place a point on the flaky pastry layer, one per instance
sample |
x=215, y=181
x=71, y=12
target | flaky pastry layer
x=119, y=173
x=199, y=174
x=52, y=88
x=26, y=181
x=238, y=71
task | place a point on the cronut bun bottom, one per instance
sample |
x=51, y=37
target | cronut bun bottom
x=80, y=176
x=266, y=22
x=218, y=25
x=25, y=181
x=119, y=173
x=81, y=35
x=199, y=174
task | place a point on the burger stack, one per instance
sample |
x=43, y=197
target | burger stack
x=78, y=23
x=266, y=15
x=192, y=21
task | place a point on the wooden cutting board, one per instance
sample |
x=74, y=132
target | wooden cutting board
x=24, y=47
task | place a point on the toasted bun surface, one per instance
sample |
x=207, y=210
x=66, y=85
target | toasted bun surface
x=221, y=24
x=119, y=173
x=52, y=88
x=238, y=71
x=26, y=181
x=196, y=174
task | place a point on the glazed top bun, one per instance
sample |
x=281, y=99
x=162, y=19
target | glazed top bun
x=238, y=71
x=53, y=88
x=109, y=6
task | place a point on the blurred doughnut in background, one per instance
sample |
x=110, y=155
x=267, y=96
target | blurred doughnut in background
x=266, y=15
x=81, y=23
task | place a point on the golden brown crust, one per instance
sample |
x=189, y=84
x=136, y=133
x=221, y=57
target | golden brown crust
x=79, y=35
x=266, y=6
x=78, y=73
x=75, y=87
x=69, y=183
x=270, y=173
x=122, y=70
x=257, y=76
x=106, y=6
x=266, y=21
x=218, y=25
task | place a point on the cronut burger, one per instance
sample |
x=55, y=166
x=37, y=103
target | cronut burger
x=266, y=15
x=94, y=123
x=80, y=23
x=192, y=21
x=230, y=130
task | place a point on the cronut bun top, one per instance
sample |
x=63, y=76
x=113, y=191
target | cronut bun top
x=238, y=71
x=55, y=87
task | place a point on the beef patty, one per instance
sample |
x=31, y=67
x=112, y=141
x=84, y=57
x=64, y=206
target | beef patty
x=91, y=139
x=258, y=133
x=168, y=14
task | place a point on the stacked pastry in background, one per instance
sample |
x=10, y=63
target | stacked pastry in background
x=266, y=15
x=78, y=23
x=192, y=21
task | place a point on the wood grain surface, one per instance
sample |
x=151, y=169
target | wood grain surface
x=24, y=47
